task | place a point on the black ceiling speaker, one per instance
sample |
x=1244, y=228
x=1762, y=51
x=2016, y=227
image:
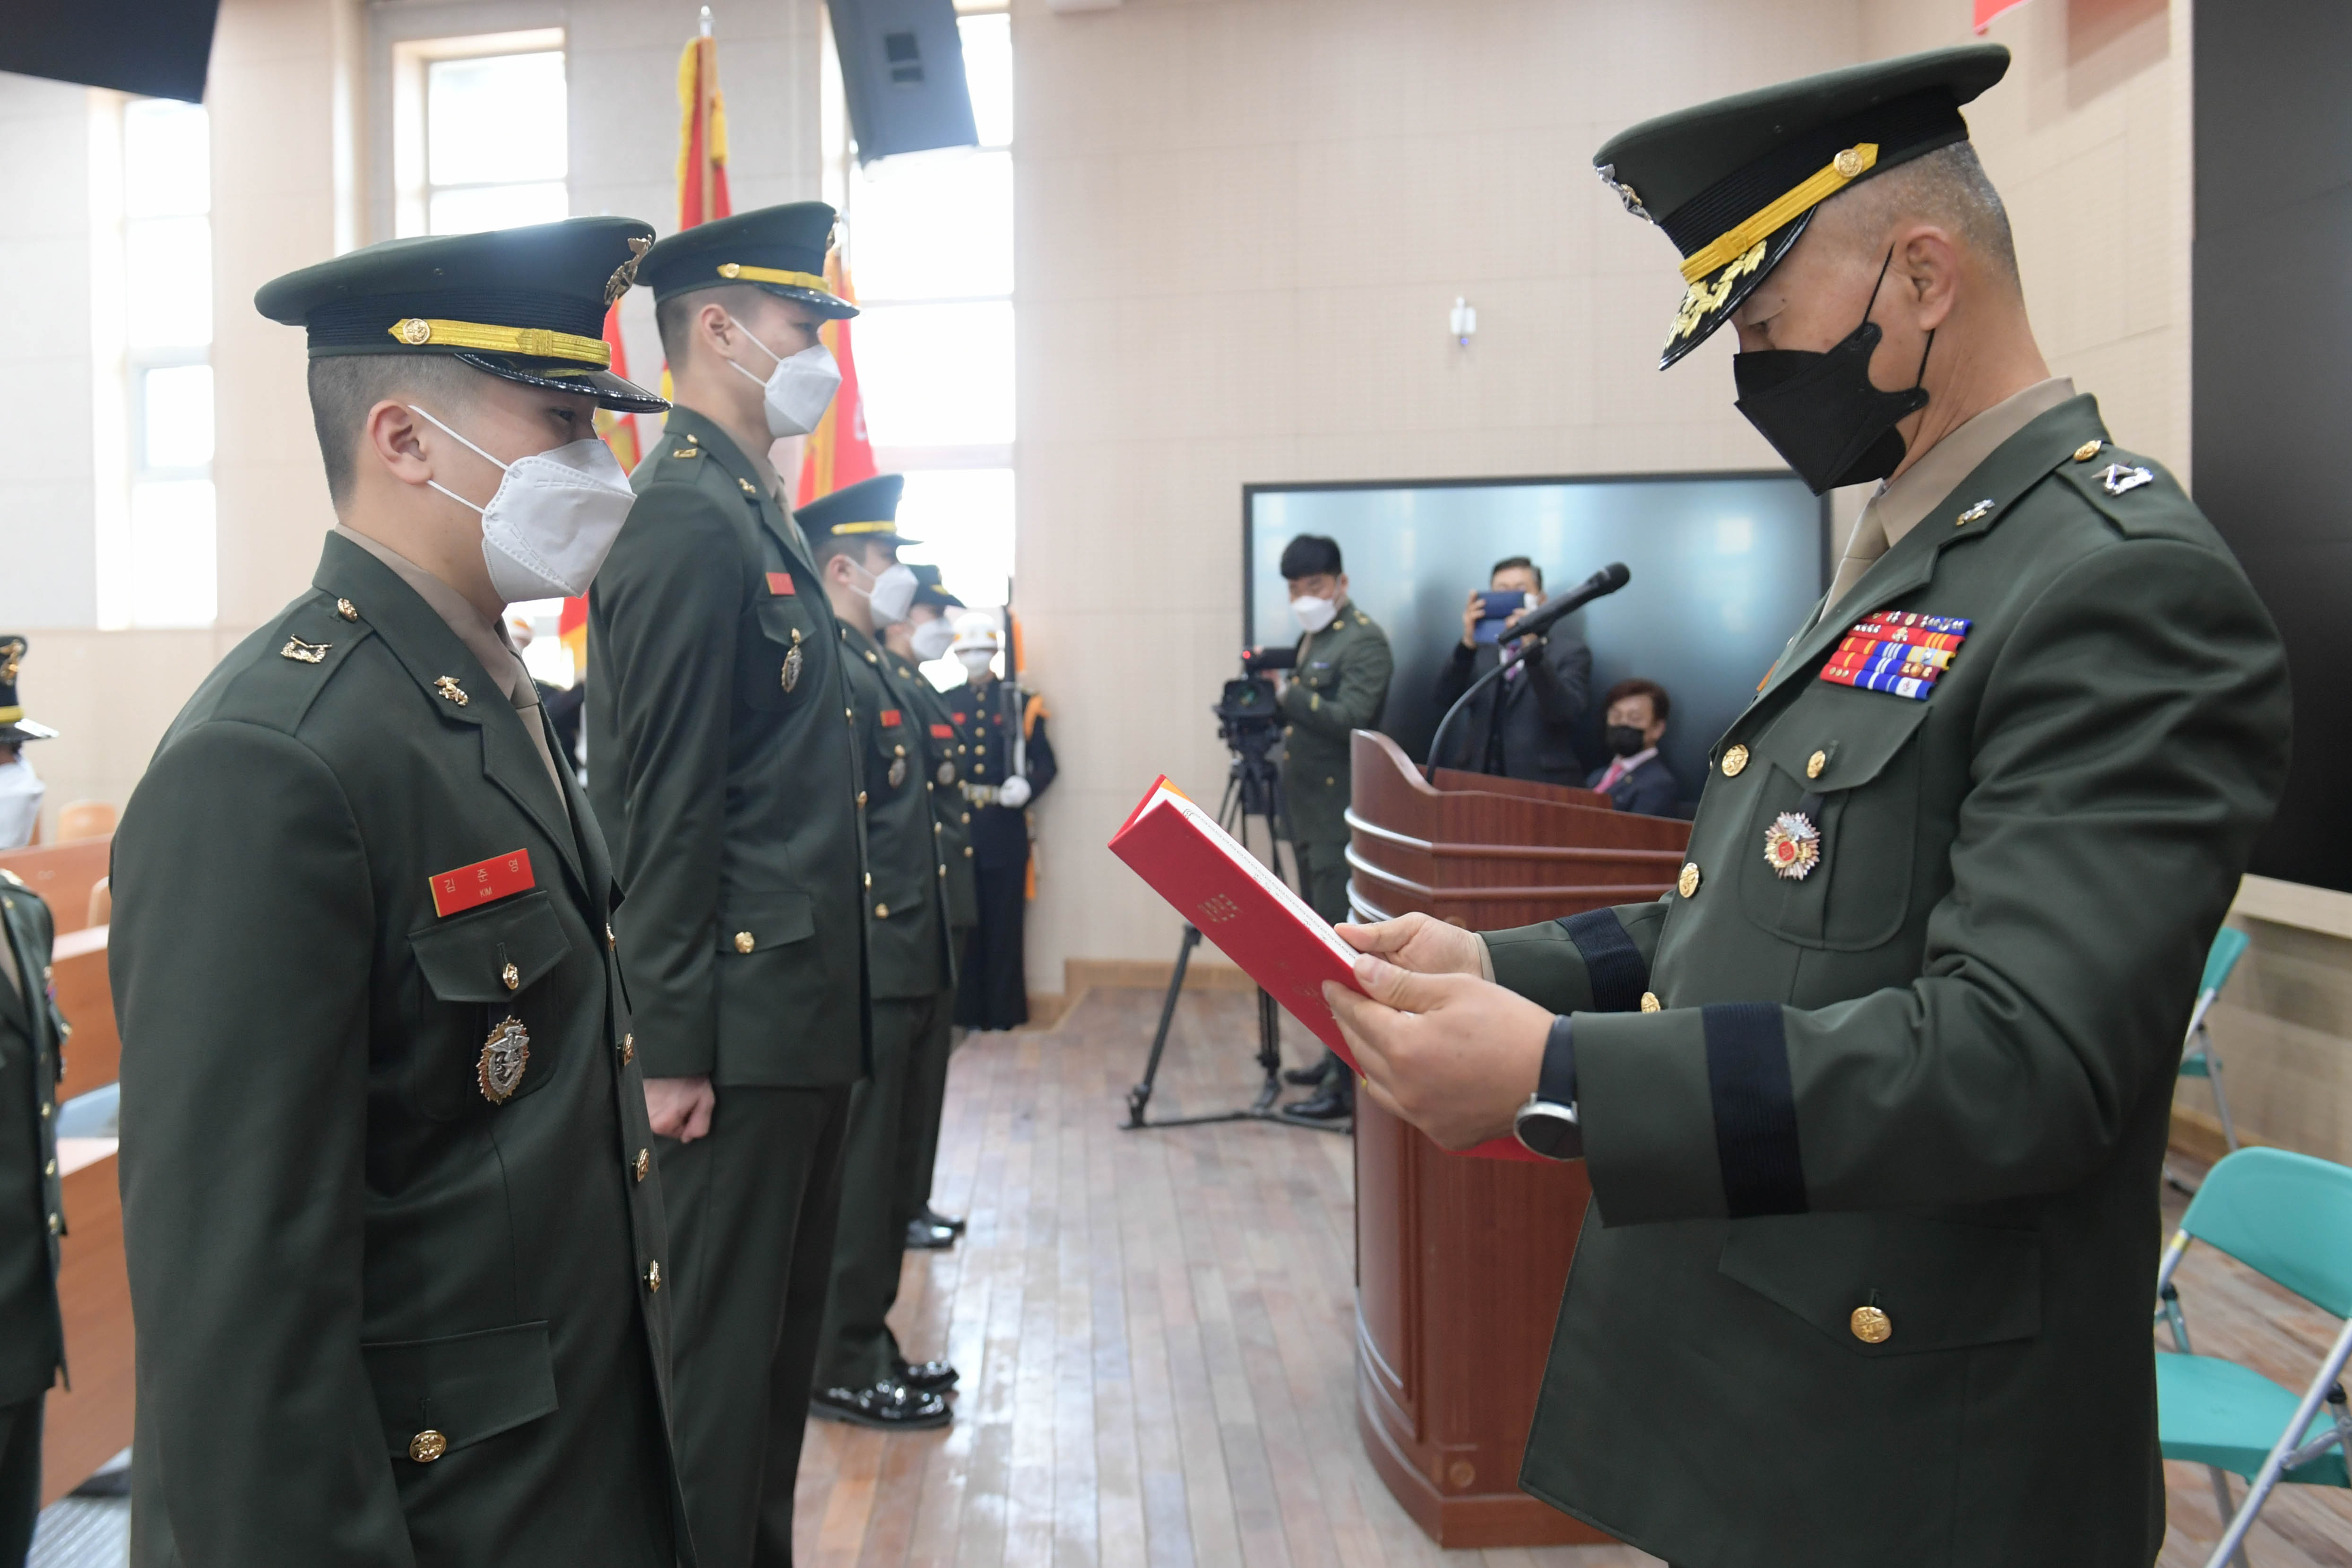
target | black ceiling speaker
x=902, y=68
x=159, y=47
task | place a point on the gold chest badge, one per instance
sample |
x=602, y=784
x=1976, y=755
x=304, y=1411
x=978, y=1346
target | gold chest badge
x=504, y=1056
x=792, y=663
x=1793, y=846
x=898, y=771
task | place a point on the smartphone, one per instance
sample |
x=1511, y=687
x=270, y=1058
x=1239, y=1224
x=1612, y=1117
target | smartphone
x=1500, y=606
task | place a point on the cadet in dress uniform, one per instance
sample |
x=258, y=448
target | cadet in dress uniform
x=1340, y=685
x=20, y=787
x=1875, y=1101
x=861, y=1375
x=988, y=714
x=925, y=634
x=725, y=768
x=396, y=1247
x=32, y=1205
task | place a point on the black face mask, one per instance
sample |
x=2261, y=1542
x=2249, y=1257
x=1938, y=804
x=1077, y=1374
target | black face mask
x=1821, y=411
x=1626, y=741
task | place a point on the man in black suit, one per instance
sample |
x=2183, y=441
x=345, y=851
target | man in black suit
x=1636, y=778
x=1538, y=703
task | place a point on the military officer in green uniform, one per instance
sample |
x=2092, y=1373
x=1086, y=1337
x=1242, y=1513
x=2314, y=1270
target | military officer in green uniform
x=1875, y=1101
x=928, y=633
x=1340, y=685
x=396, y=1244
x=32, y=1207
x=726, y=770
x=862, y=1377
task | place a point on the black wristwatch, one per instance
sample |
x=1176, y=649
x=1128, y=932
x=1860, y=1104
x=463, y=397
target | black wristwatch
x=1546, y=1123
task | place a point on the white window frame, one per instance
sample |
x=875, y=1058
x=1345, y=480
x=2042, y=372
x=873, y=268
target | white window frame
x=411, y=60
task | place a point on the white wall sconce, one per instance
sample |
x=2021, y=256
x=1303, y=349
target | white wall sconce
x=1464, y=321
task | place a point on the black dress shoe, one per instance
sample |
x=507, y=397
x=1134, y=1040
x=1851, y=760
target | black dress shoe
x=928, y=1376
x=1332, y=1102
x=890, y=1406
x=1303, y=1076
x=945, y=1222
x=922, y=1235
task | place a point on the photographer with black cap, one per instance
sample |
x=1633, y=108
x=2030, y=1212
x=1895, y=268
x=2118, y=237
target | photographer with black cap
x=1340, y=684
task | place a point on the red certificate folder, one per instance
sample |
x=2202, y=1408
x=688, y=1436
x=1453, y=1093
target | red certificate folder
x=1251, y=914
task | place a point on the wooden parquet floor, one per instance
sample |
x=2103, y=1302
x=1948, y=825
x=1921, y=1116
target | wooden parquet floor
x=1156, y=1332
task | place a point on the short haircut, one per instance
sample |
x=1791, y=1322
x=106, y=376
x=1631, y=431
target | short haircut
x=1948, y=186
x=1509, y=561
x=1660, y=704
x=1310, y=555
x=824, y=547
x=673, y=317
x=343, y=387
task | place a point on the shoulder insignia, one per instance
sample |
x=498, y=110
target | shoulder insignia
x=446, y=685
x=2137, y=497
x=346, y=609
x=686, y=451
x=304, y=652
x=749, y=488
x=1981, y=509
x=2088, y=449
x=2117, y=479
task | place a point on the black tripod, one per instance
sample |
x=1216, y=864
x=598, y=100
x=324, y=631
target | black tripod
x=1253, y=788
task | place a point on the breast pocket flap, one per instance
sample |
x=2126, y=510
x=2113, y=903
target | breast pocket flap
x=755, y=922
x=1941, y=1286
x=466, y=1387
x=464, y=957
x=1842, y=739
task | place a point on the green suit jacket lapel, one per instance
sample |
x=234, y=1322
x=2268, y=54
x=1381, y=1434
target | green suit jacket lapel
x=430, y=652
x=718, y=446
x=17, y=1001
x=2016, y=466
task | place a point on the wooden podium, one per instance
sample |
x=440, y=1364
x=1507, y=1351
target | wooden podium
x=1460, y=1263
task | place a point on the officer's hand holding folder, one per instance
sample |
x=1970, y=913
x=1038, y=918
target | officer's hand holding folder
x=1251, y=915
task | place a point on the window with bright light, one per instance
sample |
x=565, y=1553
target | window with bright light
x=931, y=252
x=479, y=135
x=162, y=567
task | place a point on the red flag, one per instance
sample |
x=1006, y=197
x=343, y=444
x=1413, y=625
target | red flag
x=1987, y=9
x=701, y=136
x=620, y=432
x=839, y=452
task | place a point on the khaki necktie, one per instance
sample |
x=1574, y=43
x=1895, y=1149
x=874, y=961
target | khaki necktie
x=1862, y=552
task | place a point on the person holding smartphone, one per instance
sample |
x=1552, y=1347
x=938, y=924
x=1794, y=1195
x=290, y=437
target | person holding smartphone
x=1521, y=726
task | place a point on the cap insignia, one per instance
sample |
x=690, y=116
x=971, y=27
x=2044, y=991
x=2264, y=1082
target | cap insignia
x=1702, y=298
x=625, y=276
x=1625, y=193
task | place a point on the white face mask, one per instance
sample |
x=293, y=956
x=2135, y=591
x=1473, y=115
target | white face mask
x=799, y=390
x=933, y=639
x=890, y=595
x=977, y=659
x=1314, y=613
x=20, y=803
x=552, y=519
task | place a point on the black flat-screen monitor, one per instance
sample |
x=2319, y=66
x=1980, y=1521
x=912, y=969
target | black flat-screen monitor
x=1725, y=568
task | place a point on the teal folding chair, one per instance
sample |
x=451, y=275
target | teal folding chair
x=2197, y=1058
x=2289, y=1218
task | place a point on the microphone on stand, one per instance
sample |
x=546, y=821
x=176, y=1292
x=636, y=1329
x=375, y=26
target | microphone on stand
x=1601, y=585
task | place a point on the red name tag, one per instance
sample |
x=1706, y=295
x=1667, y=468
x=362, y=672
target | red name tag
x=889, y=718
x=781, y=584
x=959, y=718
x=942, y=733
x=482, y=882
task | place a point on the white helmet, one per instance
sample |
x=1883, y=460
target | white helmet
x=976, y=631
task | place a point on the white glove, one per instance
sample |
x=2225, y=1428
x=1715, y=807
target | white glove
x=1014, y=792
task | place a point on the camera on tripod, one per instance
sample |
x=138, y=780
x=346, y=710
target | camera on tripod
x=1247, y=720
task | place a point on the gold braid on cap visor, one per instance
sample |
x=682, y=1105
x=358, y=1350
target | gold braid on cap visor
x=775, y=275
x=862, y=528
x=1739, y=250
x=538, y=343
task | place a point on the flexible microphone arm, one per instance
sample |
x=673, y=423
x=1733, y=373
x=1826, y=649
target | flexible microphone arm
x=1601, y=584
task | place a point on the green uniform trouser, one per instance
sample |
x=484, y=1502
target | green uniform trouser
x=925, y=1098
x=751, y=1211
x=1323, y=877
x=20, y=1475
x=858, y=1349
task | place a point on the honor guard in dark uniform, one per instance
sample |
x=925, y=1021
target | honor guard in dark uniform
x=1875, y=1101
x=725, y=768
x=20, y=787
x=1340, y=685
x=1007, y=761
x=32, y=1198
x=397, y=1246
x=927, y=634
x=862, y=1377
